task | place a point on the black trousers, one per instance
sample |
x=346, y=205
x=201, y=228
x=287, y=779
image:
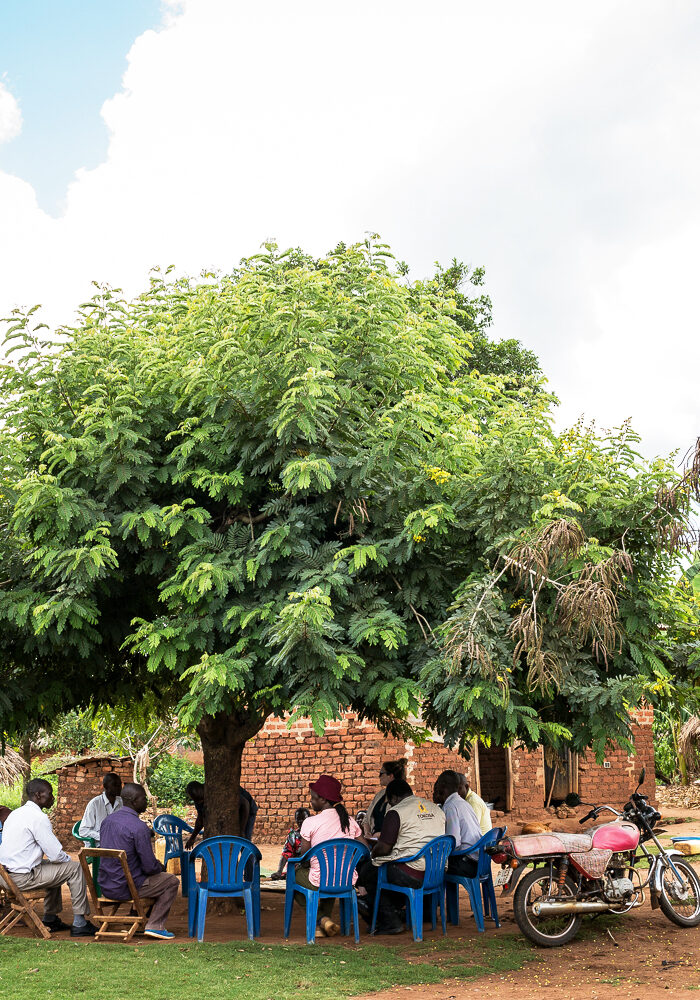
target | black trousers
x=391, y=905
x=463, y=865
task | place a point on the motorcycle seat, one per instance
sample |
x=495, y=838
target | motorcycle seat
x=531, y=844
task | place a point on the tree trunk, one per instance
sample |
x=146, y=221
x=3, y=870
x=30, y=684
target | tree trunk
x=26, y=751
x=223, y=741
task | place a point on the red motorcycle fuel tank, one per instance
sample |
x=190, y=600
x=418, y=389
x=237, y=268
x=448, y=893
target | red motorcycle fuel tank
x=616, y=837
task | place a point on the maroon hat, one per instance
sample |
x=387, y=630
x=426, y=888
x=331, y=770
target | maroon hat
x=327, y=787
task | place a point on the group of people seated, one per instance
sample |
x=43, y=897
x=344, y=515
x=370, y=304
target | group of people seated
x=34, y=857
x=396, y=825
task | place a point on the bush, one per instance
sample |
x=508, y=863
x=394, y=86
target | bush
x=71, y=733
x=665, y=756
x=169, y=778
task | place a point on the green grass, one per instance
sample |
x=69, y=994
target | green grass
x=34, y=970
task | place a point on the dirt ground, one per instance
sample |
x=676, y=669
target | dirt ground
x=649, y=957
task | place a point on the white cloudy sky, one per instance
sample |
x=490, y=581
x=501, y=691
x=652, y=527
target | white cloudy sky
x=553, y=143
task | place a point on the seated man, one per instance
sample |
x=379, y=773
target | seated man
x=124, y=831
x=27, y=835
x=483, y=814
x=102, y=806
x=4, y=813
x=247, y=811
x=460, y=823
x=409, y=824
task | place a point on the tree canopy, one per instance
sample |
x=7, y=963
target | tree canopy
x=288, y=489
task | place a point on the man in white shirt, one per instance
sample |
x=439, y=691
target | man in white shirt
x=482, y=811
x=102, y=806
x=460, y=823
x=26, y=837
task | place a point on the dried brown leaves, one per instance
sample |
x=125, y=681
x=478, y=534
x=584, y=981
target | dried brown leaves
x=674, y=532
x=358, y=511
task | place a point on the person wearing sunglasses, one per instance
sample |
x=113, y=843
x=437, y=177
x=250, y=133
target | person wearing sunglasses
x=376, y=811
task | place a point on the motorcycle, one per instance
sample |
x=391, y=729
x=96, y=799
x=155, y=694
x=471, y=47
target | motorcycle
x=599, y=871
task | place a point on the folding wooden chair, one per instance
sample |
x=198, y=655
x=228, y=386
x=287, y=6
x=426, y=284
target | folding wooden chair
x=107, y=910
x=20, y=906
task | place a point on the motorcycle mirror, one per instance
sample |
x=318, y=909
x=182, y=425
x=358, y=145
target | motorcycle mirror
x=642, y=776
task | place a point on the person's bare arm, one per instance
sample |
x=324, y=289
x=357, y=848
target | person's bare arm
x=198, y=824
x=380, y=849
x=388, y=836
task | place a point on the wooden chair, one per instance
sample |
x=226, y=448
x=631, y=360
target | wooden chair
x=20, y=906
x=107, y=910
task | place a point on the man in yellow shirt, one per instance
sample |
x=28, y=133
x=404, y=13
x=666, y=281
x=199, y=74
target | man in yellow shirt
x=478, y=805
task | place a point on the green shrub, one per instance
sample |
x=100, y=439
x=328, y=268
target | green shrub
x=169, y=778
x=665, y=756
x=71, y=733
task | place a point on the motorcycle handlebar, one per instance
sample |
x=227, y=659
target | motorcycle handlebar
x=584, y=819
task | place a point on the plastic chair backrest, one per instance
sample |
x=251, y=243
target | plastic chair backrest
x=337, y=861
x=171, y=827
x=436, y=853
x=484, y=860
x=90, y=841
x=225, y=859
x=489, y=838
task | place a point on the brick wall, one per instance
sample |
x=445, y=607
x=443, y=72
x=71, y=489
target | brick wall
x=77, y=784
x=280, y=762
x=614, y=784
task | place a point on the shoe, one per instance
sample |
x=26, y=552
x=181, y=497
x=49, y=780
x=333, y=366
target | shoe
x=319, y=932
x=56, y=925
x=159, y=935
x=89, y=930
x=390, y=929
x=329, y=928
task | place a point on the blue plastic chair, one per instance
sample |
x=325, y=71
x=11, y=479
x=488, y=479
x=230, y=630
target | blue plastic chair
x=435, y=853
x=172, y=828
x=225, y=860
x=483, y=880
x=337, y=861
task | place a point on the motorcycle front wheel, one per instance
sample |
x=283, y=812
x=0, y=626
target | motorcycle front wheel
x=680, y=901
x=548, y=932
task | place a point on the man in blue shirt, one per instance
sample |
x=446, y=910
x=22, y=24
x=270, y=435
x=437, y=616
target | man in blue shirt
x=460, y=822
x=124, y=831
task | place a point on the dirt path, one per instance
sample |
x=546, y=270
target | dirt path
x=589, y=969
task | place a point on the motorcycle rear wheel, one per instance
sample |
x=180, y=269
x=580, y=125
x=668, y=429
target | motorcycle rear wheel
x=681, y=906
x=547, y=932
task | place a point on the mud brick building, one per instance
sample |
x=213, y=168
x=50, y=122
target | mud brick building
x=78, y=782
x=280, y=762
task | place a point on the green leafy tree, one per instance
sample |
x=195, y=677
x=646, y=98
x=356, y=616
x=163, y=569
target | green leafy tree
x=215, y=495
x=573, y=615
x=509, y=359
x=288, y=490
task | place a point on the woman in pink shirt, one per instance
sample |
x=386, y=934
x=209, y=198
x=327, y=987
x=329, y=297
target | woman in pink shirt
x=330, y=822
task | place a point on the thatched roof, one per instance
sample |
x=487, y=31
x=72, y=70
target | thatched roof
x=689, y=736
x=12, y=767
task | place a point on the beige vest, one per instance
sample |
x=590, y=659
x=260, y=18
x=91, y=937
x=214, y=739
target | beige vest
x=420, y=822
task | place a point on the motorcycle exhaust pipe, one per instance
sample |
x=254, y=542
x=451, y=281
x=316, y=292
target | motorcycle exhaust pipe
x=555, y=909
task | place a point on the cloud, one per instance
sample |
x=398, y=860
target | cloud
x=10, y=115
x=557, y=147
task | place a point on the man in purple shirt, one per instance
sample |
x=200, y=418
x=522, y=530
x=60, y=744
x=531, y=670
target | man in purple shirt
x=124, y=831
